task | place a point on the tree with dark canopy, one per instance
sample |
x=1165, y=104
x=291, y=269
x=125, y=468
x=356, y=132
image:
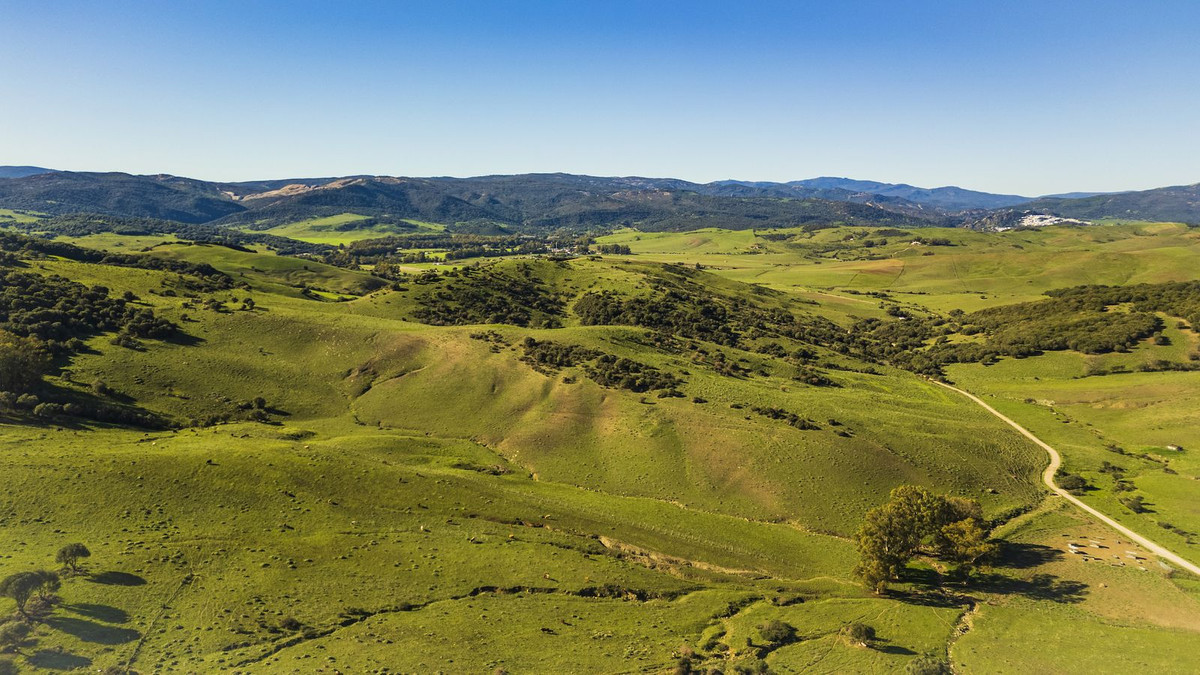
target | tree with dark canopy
x=70, y=554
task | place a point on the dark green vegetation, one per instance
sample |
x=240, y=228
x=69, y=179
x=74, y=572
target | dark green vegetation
x=542, y=464
x=1170, y=204
x=913, y=519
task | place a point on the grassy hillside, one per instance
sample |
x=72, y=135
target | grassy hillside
x=604, y=464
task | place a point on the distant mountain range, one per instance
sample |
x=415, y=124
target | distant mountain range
x=21, y=171
x=552, y=201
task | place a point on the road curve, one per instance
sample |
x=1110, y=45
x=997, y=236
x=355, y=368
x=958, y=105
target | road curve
x=1048, y=479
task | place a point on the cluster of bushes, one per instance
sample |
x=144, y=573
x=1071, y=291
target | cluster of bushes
x=674, y=312
x=59, y=312
x=813, y=377
x=791, y=418
x=456, y=246
x=474, y=296
x=1071, y=482
x=614, y=249
x=549, y=355
x=31, y=403
x=621, y=373
x=1180, y=298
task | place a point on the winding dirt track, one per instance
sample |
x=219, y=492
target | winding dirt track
x=1048, y=479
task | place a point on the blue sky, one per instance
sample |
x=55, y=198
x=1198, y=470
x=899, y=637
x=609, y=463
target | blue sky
x=1005, y=96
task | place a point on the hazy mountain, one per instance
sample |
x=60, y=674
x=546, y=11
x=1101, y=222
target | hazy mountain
x=548, y=201
x=21, y=171
x=120, y=194
x=1180, y=203
x=948, y=198
x=534, y=201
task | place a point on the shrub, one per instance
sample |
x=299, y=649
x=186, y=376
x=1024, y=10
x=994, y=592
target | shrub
x=776, y=632
x=859, y=633
x=70, y=554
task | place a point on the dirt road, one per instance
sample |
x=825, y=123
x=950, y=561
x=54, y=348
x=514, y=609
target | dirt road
x=1048, y=478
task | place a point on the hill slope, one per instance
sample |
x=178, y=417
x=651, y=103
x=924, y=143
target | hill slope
x=1179, y=204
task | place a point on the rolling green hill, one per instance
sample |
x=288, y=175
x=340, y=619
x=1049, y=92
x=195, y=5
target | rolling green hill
x=605, y=463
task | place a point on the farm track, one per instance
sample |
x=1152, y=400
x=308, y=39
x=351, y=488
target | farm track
x=1048, y=478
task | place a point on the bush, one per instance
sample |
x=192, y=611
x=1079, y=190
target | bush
x=860, y=633
x=776, y=632
x=1072, y=483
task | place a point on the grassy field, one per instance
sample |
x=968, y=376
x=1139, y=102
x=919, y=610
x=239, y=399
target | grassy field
x=344, y=229
x=421, y=499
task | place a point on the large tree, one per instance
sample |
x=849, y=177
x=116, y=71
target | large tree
x=23, y=585
x=915, y=520
x=70, y=554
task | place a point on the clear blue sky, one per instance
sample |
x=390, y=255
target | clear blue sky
x=1017, y=96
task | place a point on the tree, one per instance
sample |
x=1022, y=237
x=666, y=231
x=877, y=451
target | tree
x=22, y=586
x=966, y=543
x=22, y=362
x=776, y=632
x=915, y=520
x=859, y=633
x=70, y=554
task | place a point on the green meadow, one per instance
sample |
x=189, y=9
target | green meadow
x=414, y=497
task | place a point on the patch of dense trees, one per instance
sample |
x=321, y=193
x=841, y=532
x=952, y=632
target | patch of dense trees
x=547, y=354
x=622, y=373
x=1088, y=319
x=614, y=249
x=673, y=312
x=1180, y=299
x=790, y=418
x=474, y=296
x=914, y=521
x=606, y=370
x=59, y=312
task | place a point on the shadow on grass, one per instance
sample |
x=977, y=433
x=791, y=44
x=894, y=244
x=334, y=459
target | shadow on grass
x=1037, y=587
x=1017, y=556
x=113, y=578
x=894, y=649
x=90, y=631
x=184, y=339
x=931, y=589
x=55, y=659
x=103, y=613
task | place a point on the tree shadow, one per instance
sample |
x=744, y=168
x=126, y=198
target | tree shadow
x=55, y=659
x=1037, y=587
x=90, y=631
x=114, y=578
x=105, y=613
x=932, y=597
x=894, y=649
x=1020, y=556
x=183, y=339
